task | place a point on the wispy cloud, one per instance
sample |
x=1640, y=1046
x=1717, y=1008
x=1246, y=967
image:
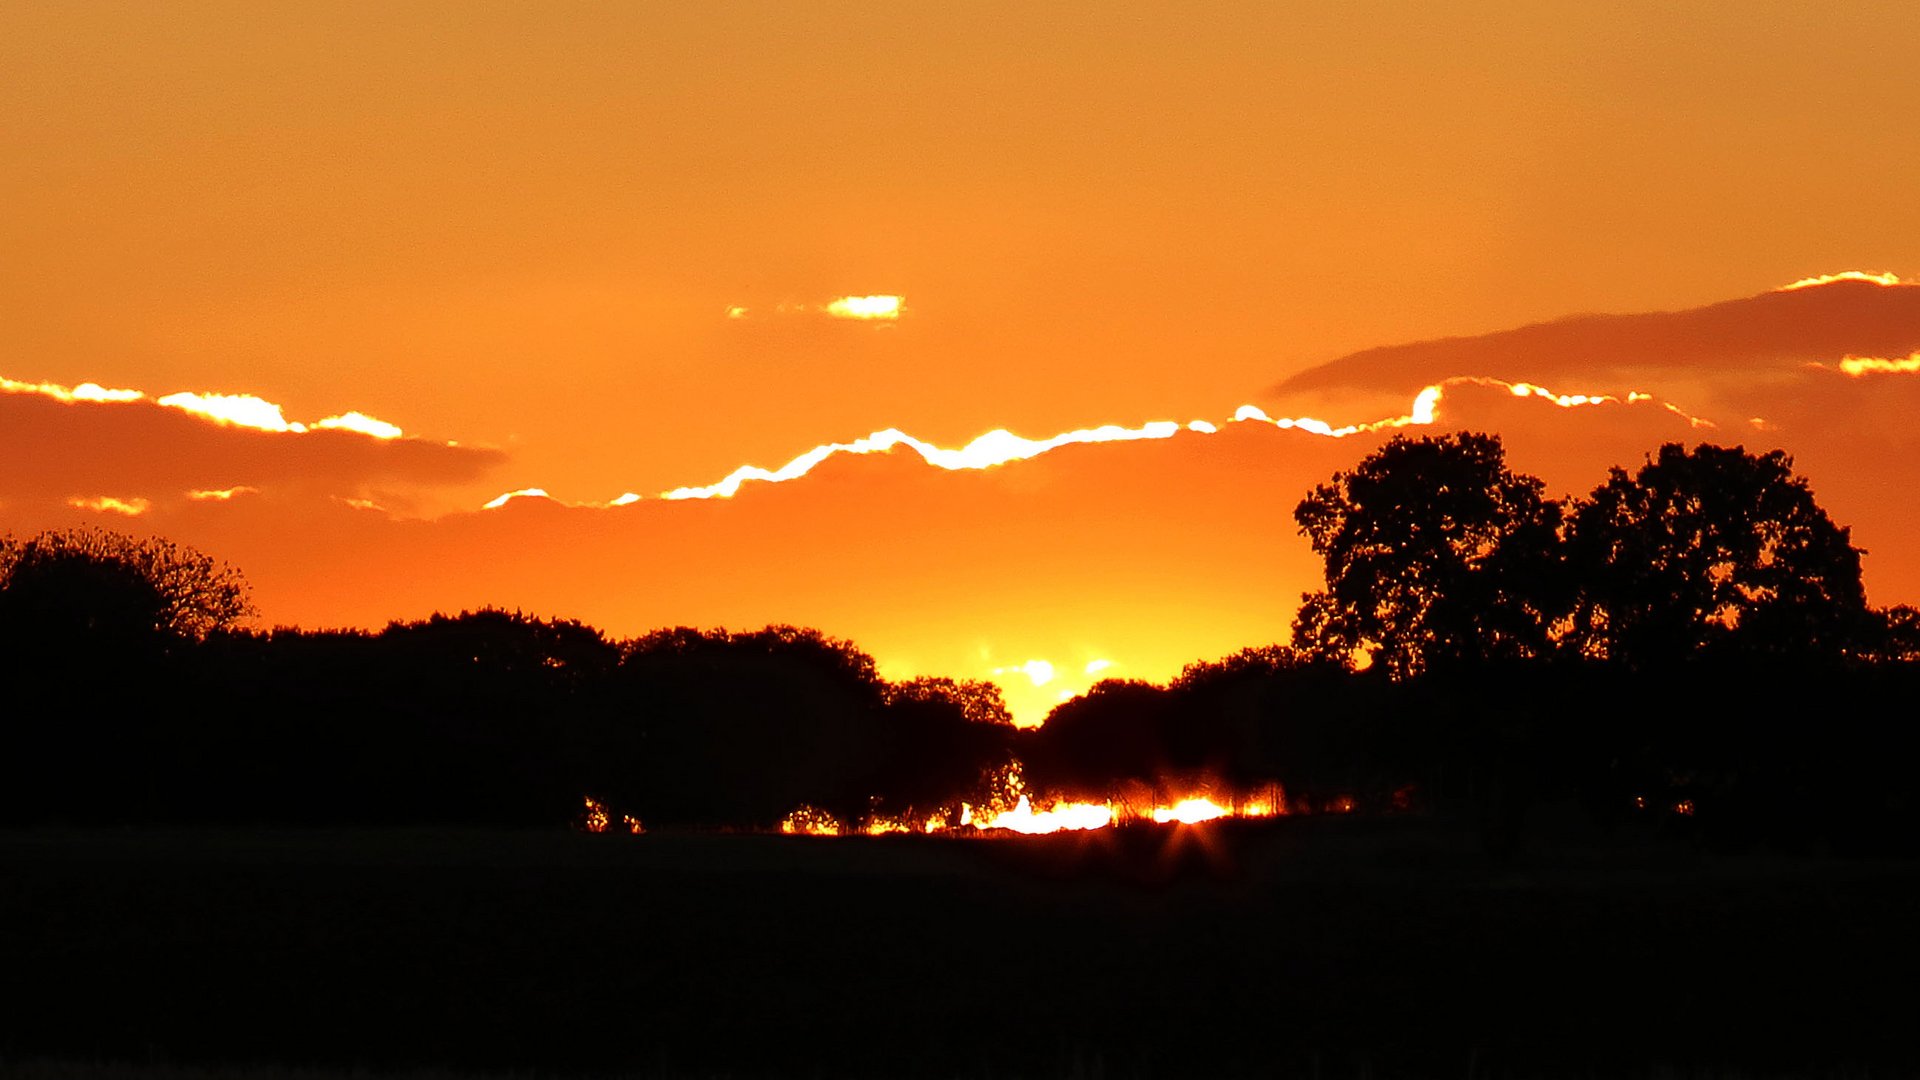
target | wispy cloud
x=877, y=307
x=1873, y=365
x=109, y=504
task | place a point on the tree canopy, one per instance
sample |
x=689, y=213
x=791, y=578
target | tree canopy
x=105, y=584
x=1709, y=550
x=1435, y=552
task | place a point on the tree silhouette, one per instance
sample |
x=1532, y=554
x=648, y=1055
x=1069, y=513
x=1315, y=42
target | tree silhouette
x=1435, y=553
x=108, y=585
x=1713, y=549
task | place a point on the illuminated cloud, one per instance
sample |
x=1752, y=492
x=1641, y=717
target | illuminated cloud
x=1777, y=331
x=362, y=423
x=1873, y=365
x=624, y=499
x=1002, y=446
x=523, y=493
x=108, y=504
x=177, y=449
x=1844, y=275
x=240, y=410
x=87, y=391
x=220, y=494
x=1095, y=667
x=881, y=306
x=993, y=448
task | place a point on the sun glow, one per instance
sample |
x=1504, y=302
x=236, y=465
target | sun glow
x=1190, y=812
x=1888, y=278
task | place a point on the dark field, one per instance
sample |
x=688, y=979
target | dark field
x=1297, y=947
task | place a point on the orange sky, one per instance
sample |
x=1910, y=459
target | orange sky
x=523, y=227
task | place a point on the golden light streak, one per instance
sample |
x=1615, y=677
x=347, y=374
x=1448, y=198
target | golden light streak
x=993, y=448
x=362, y=423
x=1000, y=446
x=1887, y=278
x=220, y=494
x=1857, y=366
x=1095, y=667
x=108, y=504
x=881, y=306
x=87, y=391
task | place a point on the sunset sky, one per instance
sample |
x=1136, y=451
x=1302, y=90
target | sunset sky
x=598, y=247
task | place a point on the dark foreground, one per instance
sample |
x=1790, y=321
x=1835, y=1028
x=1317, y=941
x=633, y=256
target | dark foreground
x=1295, y=948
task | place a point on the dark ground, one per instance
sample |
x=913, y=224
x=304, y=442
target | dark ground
x=1297, y=947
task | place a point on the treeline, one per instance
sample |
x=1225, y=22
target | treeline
x=1688, y=649
x=134, y=697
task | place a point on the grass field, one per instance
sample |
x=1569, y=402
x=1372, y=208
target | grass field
x=1293, y=947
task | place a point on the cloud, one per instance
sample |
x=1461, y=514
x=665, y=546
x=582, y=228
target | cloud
x=882, y=306
x=108, y=504
x=1873, y=365
x=1777, y=331
x=877, y=307
x=85, y=439
x=1844, y=275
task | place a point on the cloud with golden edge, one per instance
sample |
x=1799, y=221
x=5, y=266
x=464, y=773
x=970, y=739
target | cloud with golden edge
x=221, y=494
x=879, y=307
x=1001, y=446
x=1887, y=278
x=108, y=504
x=1857, y=366
x=87, y=391
x=362, y=423
x=236, y=410
x=522, y=493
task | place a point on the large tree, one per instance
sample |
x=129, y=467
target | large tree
x=1712, y=549
x=1435, y=553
